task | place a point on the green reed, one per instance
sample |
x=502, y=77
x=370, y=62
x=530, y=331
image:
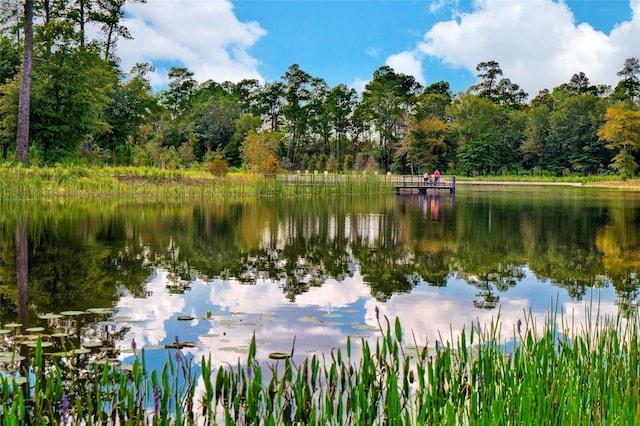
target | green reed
x=65, y=182
x=550, y=375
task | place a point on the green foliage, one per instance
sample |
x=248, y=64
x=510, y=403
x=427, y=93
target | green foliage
x=469, y=377
x=573, y=133
x=133, y=105
x=480, y=147
x=9, y=58
x=70, y=90
x=85, y=110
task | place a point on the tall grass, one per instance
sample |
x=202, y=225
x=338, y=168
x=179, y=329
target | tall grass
x=63, y=182
x=546, y=377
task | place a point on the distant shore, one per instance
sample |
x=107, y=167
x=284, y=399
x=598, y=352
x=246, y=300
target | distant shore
x=629, y=184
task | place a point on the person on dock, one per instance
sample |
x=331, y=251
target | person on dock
x=426, y=177
x=436, y=176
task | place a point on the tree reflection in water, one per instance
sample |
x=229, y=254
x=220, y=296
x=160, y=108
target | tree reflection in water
x=84, y=255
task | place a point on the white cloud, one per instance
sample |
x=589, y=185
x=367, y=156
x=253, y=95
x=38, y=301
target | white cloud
x=408, y=63
x=373, y=52
x=203, y=36
x=148, y=315
x=536, y=42
x=359, y=84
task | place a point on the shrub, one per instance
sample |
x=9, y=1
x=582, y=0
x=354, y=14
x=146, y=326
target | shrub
x=218, y=167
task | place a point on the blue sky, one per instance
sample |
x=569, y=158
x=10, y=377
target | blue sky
x=538, y=43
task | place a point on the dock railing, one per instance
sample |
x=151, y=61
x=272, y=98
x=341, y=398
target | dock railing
x=367, y=181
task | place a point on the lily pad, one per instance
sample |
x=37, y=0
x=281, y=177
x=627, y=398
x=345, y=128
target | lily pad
x=43, y=344
x=13, y=325
x=10, y=356
x=5, y=331
x=239, y=349
x=358, y=336
x=101, y=310
x=29, y=338
x=122, y=318
x=332, y=315
x=59, y=334
x=181, y=345
x=72, y=352
x=312, y=320
x=19, y=380
x=34, y=329
x=90, y=345
x=365, y=327
x=72, y=313
x=185, y=318
x=229, y=323
x=50, y=316
x=279, y=355
x=111, y=361
x=153, y=347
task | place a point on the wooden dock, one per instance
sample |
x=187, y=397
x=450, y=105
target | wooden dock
x=401, y=183
x=412, y=184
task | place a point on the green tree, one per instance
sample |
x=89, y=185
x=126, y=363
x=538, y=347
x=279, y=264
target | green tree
x=213, y=119
x=340, y=104
x=244, y=124
x=573, y=138
x=476, y=125
x=389, y=99
x=134, y=104
x=536, y=133
x=502, y=92
x=271, y=104
x=71, y=92
x=320, y=123
x=628, y=87
x=488, y=73
x=9, y=67
x=181, y=87
x=296, y=107
x=109, y=14
x=248, y=93
x=71, y=89
x=425, y=144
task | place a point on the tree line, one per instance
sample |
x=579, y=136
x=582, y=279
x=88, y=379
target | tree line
x=85, y=109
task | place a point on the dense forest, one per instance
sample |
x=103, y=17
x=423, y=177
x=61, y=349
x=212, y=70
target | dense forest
x=84, y=109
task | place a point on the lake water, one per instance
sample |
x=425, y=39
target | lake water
x=215, y=272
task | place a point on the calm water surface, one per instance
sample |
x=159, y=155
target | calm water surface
x=213, y=273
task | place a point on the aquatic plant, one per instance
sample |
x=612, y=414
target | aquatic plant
x=550, y=374
x=18, y=183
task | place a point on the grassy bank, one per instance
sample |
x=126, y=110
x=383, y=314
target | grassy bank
x=541, y=377
x=65, y=182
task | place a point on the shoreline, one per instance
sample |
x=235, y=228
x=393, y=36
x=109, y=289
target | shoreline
x=628, y=185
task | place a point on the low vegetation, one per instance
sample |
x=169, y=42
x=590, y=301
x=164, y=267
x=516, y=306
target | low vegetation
x=550, y=374
x=64, y=182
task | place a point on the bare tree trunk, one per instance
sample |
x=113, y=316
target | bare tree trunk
x=22, y=270
x=24, y=102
